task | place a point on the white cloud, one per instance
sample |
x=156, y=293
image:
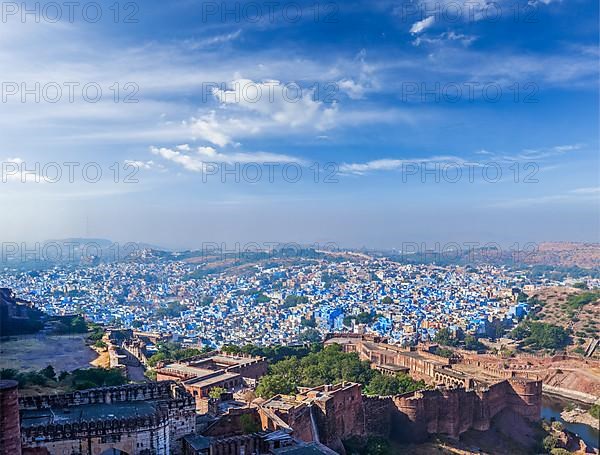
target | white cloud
x=420, y=26
x=357, y=86
x=210, y=129
x=213, y=40
x=390, y=164
x=140, y=164
x=285, y=104
x=548, y=152
x=199, y=158
x=248, y=108
x=354, y=90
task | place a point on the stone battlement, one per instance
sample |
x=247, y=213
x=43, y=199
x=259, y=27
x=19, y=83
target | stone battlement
x=155, y=416
x=93, y=428
x=163, y=390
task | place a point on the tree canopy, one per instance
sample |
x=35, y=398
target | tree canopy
x=84, y=378
x=541, y=335
x=329, y=366
x=361, y=318
x=173, y=351
x=272, y=353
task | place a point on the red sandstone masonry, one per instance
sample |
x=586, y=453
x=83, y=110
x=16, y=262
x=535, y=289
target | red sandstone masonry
x=454, y=411
x=10, y=433
x=466, y=402
x=163, y=430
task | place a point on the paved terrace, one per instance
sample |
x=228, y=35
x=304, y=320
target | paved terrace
x=87, y=413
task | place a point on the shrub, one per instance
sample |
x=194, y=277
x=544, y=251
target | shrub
x=549, y=443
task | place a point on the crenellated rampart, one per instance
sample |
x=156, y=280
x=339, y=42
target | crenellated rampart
x=163, y=390
x=452, y=411
x=133, y=418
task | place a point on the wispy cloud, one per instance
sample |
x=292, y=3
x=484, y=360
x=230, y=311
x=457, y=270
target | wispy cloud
x=527, y=155
x=213, y=40
x=197, y=159
x=389, y=164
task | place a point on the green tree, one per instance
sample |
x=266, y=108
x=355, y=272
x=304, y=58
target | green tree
x=216, y=392
x=361, y=318
x=473, y=344
x=382, y=385
x=408, y=384
x=541, y=335
x=443, y=352
x=48, y=372
x=294, y=300
x=445, y=337
x=308, y=322
x=155, y=358
x=310, y=336
x=261, y=298
x=331, y=365
x=96, y=377
x=272, y=385
x=150, y=374
x=549, y=443
x=367, y=446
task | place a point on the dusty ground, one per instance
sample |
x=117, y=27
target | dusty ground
x=579, y=374
x=34, y=352
x=577, y=377
x=103, y=360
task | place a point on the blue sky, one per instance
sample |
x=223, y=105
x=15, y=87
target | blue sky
x=389, y=100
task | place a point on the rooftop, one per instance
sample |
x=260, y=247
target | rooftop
x=86, y=413
x=197, y=442
x=215, y=379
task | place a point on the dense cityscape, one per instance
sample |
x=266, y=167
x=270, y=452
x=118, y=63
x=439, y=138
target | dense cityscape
x=274, y=303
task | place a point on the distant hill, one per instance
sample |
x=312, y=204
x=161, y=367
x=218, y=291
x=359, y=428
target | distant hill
x=82, y=242
x=74, y=251
x=566, y=255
